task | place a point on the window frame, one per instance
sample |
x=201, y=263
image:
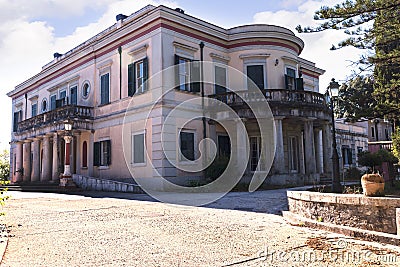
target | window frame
x=44, y=105
x=133, y=163
x=182, y=157
x=258, y=144
x=217, y=86
x=264, y=72
x=99, y=148
x=85, y=96
x=34, y=104
x=76, y=94
x=133, y=85
x=101, y=88
x=51, y=102
x=192, y=74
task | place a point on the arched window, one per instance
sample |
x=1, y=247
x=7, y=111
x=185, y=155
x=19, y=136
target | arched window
x=84, y=154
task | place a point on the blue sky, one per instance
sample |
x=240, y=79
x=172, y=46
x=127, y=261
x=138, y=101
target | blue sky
x=31, y=31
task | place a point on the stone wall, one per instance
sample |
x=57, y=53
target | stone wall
x=96, y=184
x=354, y=210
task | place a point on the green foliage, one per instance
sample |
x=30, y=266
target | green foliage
x=352, y=173
x=4, y=165
x=396, y=143
x=369, y=159
x=372, y=160
x=355, y=99
x=372, y=25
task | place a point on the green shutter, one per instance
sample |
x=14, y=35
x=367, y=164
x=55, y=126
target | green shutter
x=195, y=76
x=131, y=79
x=299, y=84
x=145, y=73
x=105, y=89
x=177, y=71
x=108, y=145
x=96, y=154
x=286, y=82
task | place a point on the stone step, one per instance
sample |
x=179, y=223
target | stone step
x=44, y=187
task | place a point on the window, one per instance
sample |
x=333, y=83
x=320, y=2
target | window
x=256, y=74
x=73, y=93
x=137, y=76
x=387, y=134
x=84, y=155
x=53, y=100
x=102, y=153
x=291, y=82
x=187, y=74
x=187, y=145
x=372, y=131
x=290, y=79
x=220, y=80
x=105, y=89
x=224, y=145
x=44, y=105
x=293, y=154
x=85, y=89
x=138, y=155
x=34, y=110
x=17, y=118
x=255, y=152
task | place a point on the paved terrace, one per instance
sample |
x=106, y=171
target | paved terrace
x=116, y=229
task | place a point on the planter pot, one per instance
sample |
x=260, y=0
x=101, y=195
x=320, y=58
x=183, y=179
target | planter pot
x=373, y=185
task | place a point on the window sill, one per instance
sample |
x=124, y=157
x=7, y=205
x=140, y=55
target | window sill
x=187, y=92
x=138, y=164
x=84, y=168
x=103, y=167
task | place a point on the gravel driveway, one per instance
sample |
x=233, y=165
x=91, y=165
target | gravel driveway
x=105, y=229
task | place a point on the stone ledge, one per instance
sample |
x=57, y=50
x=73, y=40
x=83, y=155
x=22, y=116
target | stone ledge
x=351, y=210
x=351, y=199
x=367, y=235
x=96, y=184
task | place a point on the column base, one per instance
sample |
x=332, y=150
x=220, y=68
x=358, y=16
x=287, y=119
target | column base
x=66, y=181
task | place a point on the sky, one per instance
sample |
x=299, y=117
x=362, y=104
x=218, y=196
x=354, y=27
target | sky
x=32, y=31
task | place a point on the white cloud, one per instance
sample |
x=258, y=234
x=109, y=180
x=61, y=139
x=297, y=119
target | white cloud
x=317, y=45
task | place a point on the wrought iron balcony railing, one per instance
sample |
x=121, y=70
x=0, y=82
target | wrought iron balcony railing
x=280, y=96
x=58, y=115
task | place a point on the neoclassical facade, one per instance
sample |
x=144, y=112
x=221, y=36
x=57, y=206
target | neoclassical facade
x=94, y=84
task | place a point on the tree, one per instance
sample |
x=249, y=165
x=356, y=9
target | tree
x=396, y=143
x=372, y=25
x=4, y=165
x=355, y=100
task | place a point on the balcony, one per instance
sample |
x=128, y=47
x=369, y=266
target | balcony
x=81, y=116
x=282, y=102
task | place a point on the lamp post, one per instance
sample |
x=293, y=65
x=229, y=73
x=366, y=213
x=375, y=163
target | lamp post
x=66, y=179
x=333, y=91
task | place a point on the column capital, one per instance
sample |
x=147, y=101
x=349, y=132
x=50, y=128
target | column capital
x=68, y=138
x=279, y=117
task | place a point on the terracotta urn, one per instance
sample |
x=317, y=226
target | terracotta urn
x=373, y=185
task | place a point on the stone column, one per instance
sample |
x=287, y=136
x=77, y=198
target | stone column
x=90, y=154
x=318, y=150
x=27, y=160
x=309, y=147
x=327, y=147
x=279, y=160
x=55, y=174
x=36, y=160
x=78, y=159
x=18, y=163
x=66, y=179
x=46, y=162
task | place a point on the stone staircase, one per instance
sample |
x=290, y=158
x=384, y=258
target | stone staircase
x=42, y=187
x=325, y=180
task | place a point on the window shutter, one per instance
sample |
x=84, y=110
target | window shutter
x=108, y=145
x=299, y=84
x=286, y=82
x=145, y=73
x=104, y=90
x=16, y=120
x=195, y=76
x=177, y=71
x=74, y=98
x=256, y=74
x=96, y=154
x=131, y=79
